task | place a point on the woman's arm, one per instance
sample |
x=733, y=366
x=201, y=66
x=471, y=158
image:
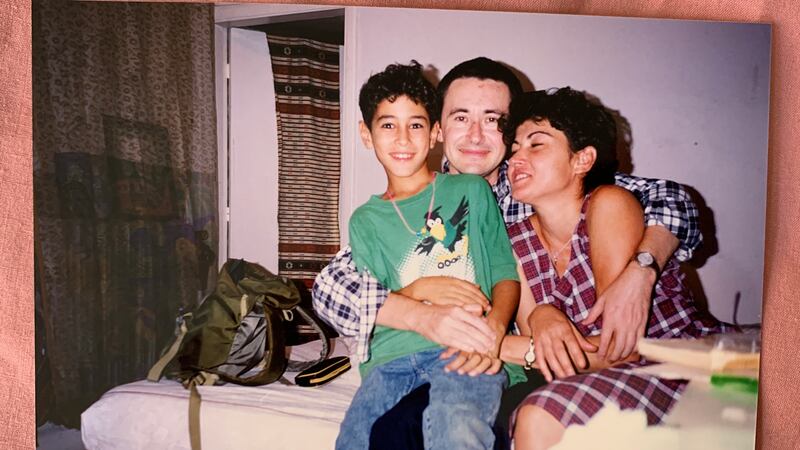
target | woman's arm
x=615, y=227
x=559, y=347
x=514, y=348
x=615, y=224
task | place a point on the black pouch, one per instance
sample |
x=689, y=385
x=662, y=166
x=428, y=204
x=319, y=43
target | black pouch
x=323, y=372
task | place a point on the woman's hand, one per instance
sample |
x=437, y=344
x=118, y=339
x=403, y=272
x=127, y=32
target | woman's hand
x=558, y=345
x=442, y=290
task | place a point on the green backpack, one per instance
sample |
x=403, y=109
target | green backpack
x=237, y=328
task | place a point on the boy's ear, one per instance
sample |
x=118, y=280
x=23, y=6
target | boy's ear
x=366, y=135
x=436, y=132
x=439, y=134
x=584, y=159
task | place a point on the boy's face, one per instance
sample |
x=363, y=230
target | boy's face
x=472, y=141
x=401, y=136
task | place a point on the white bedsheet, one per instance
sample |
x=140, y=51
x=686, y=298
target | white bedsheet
x=144, y=415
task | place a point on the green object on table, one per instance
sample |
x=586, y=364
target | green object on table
x=735, y=383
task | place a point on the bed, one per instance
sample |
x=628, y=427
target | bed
x=145, y=415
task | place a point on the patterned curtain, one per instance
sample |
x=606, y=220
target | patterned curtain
x=125, y=186
x=306, y=76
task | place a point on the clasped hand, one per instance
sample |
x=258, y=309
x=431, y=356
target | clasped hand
x=455, y=320
x=476, y=363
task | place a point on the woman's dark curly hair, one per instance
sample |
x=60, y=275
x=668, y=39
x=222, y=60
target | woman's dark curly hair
x=585, y=123
x=395, y=81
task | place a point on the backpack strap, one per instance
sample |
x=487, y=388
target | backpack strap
x=202, y=378
x=154, y=374
x=194, y=416
x=299, y=366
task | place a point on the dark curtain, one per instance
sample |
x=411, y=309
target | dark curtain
x=125, y=188
x=306, y=76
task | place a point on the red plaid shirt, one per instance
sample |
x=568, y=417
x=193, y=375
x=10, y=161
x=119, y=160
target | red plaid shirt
x=673, y=312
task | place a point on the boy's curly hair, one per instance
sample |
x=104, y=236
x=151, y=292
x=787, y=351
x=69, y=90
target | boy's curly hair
x=395, y=81
x=583, y=120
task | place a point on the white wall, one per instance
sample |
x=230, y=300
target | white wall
x=253, y=153
x=695, y=94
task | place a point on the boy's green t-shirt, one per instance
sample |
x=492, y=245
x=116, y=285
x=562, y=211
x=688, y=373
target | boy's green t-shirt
x=465, y=238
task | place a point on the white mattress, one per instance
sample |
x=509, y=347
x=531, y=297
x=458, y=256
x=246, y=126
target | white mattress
x=144, y=415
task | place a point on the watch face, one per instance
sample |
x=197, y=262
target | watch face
x=644, y=259
x=529, y=357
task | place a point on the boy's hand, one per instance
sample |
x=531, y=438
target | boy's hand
x=453, y=326
x=476, y=363
x=471, y=363
x=441, y=290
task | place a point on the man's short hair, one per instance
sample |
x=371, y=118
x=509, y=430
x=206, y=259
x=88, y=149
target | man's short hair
x=395, y=81
x=481, y=68
x=583, y=120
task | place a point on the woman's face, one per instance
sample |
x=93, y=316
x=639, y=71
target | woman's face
x=541, y=164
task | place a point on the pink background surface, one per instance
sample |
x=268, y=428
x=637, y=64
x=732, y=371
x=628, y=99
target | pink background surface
x=779, y=401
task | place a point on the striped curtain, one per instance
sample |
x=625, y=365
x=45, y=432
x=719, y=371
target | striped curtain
x=306, y=74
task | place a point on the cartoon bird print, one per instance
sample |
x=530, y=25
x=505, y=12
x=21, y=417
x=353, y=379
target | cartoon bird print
x=446, y=233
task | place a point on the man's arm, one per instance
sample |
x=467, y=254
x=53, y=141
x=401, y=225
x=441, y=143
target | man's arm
x=348, y=300
x=667, y=204
x=353, y=303
x=448, y=325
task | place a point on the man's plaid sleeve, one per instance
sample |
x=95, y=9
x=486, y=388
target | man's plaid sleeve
x=666, y=203
x=349, y=300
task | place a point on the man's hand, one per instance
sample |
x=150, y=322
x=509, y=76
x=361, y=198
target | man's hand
x=440, y=290
x=558, y=343
x=454, y=326
x=624, y=307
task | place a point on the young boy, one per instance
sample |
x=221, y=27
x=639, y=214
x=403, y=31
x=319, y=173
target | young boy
x=426, y=224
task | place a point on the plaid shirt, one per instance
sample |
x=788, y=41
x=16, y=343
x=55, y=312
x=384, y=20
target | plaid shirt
x=349, y=300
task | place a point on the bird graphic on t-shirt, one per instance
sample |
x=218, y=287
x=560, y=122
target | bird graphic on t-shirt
x=447, y=233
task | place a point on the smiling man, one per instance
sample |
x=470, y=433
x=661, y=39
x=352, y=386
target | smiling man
x=472, y=109
x=476, y=94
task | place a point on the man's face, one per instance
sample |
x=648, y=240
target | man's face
x=472, y=141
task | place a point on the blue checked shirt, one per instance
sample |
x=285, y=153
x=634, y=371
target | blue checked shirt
x=349, y=300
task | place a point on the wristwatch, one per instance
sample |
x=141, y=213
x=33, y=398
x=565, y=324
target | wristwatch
x=530, y=356
x=647, y=260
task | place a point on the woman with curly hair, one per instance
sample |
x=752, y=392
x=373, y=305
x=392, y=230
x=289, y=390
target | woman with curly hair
x=563, y=163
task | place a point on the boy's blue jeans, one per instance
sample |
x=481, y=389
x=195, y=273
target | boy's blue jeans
x=459, y=415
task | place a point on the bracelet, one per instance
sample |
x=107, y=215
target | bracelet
x=530, y=356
